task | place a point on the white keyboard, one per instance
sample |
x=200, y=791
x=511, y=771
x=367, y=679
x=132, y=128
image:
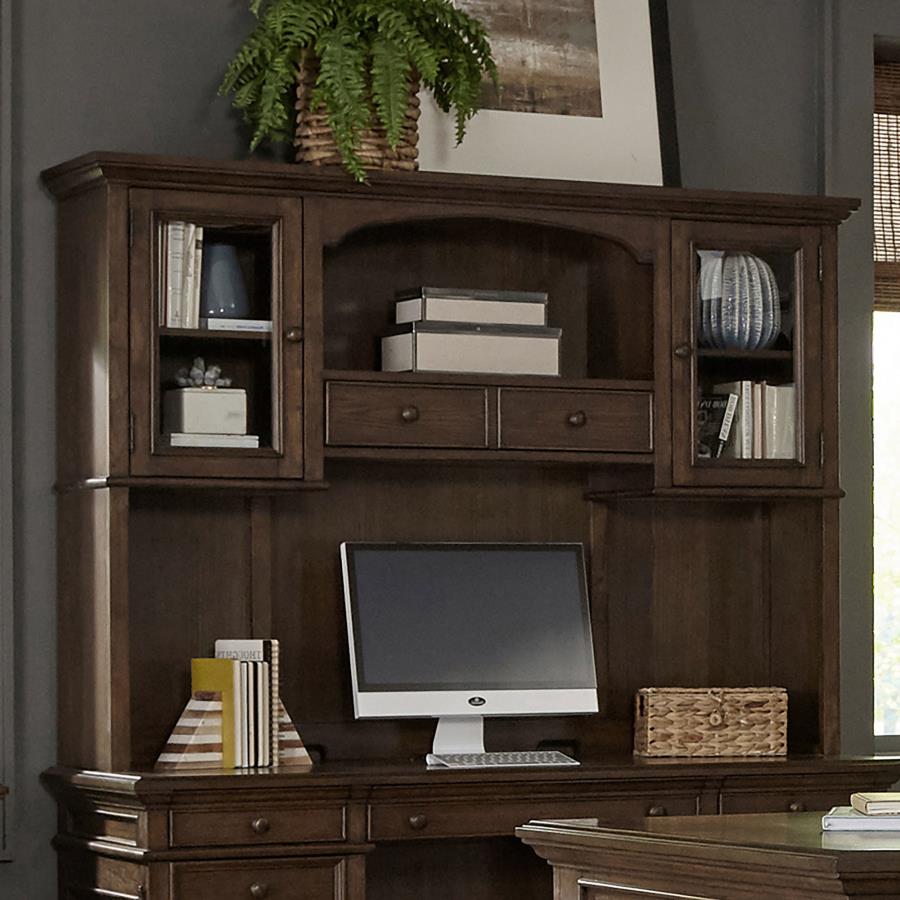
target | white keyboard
x=500, y=760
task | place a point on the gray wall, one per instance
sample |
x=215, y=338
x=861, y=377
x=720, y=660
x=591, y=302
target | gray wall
x=101, y=74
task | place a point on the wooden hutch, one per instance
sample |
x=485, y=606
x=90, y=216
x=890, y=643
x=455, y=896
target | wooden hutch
x=703, y=572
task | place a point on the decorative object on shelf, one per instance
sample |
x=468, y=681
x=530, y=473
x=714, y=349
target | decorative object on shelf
x=199, y=375
x=739, y=301
x=205, y=410
x=222, y=288
x=196, y=740
x=236, y=725
x=673, y=721
x=354, y=64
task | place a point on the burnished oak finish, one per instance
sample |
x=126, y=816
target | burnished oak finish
x=701, y=572
x=779, y=856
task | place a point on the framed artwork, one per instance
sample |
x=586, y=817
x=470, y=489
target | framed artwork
x=585, y=94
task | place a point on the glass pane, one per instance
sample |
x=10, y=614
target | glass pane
x=886, y=424
x=215, y=324
x=745, y=315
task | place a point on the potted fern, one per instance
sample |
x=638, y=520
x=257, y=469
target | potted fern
x=354, y=67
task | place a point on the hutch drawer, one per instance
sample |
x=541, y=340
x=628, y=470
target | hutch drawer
x=265, y=825
x=316, y=878
x=399, y=415
x=459, y=819
x=549, y=419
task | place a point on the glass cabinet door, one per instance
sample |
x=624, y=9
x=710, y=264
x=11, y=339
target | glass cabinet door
x=747, y=345
x=216, y=335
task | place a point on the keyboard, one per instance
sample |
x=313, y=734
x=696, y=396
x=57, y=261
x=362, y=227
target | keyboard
x=500, y=760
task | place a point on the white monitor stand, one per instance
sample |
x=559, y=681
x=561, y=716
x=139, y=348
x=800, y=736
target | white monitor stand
x=458, y=734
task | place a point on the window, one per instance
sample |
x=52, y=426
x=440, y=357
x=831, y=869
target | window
x=885, y=409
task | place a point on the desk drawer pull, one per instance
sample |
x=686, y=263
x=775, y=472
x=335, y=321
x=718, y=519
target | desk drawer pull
x=796, y=806
x=410, y=413
x=418, y=822
x=577, y=419
x=657, y=810
x=259, y=889
x=260, y=825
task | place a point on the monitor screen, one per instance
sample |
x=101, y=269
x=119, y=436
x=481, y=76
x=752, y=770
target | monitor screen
x=451, y=629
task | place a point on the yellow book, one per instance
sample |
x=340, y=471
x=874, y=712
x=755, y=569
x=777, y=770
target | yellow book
x=223, y=676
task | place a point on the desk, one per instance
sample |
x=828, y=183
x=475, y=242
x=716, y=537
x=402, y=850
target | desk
x=777, y=856
x=391, y=830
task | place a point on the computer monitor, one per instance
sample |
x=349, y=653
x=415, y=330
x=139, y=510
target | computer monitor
x=459, y=631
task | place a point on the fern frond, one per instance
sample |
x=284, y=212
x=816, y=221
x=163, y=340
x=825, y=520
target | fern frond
x=390, y=88
x=341, y=90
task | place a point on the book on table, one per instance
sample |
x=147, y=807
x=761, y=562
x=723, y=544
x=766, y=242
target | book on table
x=488, y=349
x=846, y=818
x=876, y=803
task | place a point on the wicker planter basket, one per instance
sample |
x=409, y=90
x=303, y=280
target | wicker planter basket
x=314, y=141
x=710, y=722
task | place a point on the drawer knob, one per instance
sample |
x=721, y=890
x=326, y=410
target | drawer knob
x=684, y=351
x=259, y=889
x=294, y=335
x=260, y=825
x=796, y=806
x=418, y=822
x=657, y=810
x=577, y=419
x=409, y=413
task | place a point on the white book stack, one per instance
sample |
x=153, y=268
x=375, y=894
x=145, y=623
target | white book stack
x=869, y=811
x=472, y=330
x=764, y=425
x=180, y=265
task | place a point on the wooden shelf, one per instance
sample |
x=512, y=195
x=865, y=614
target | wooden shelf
x=747, y=355
x=208, y=334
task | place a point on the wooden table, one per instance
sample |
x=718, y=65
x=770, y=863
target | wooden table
x=730, y=857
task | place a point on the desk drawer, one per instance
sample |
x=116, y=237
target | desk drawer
x=598, y=421
x=786, y=800
x=399, y=415
x=489, y=818
x=315, y=878
x=264, y=825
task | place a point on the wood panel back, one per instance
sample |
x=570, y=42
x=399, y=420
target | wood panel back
x=190, y=583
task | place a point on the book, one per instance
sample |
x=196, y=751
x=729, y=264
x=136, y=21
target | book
x=452, y=347
x=174, y=255
x=471, y=309
x=267, y=651
x=715, y=413
x=740, y=443
x=223, y=676
x=185, y=439
x=876, y=803
x=188, y=276
x=846, y=818
x=779, y=416
x=757, y=411
x=224, y=324
x=245, y=714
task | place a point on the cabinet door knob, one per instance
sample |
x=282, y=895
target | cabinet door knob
x=418, y=822
x=657, y=810
x=796, y=806
x=684, y=351
x=577, y=419
x=259, y=889
x=294, y=335
x=409, y=413
x=260, y=825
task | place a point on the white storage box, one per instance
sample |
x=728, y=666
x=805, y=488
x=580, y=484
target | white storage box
x=198, y=410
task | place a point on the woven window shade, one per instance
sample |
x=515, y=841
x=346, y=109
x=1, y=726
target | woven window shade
x=886, y=155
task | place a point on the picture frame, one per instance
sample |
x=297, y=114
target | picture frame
x=634, y=141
